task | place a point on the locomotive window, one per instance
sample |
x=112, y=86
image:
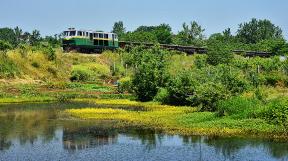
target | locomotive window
x=106, y=36
x=94, y=35
x=79, y=33
x=97, y=35
x=66, y=33
x=100, y=35
x=87, y=34
x=72, y=33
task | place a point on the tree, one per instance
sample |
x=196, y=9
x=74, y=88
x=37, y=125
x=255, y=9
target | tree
x=18, y=35
x=8, y=35
x=119, y=29
x=192, y=35
x=150, y=73
x=219, y=52
x=151, y=34
x=256, y=30
x=35, y=37
x=163, y=33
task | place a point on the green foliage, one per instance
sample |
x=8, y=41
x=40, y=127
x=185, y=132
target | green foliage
x=180, y=88
x=192, y=35
x=200, y=61
x=80, y=75
x=8, y=35
x=8, y=69
x=4, y=46
x=89, y=72
x=239, y=107
x=207, y=95
x=218, y=53
x=149, y=73
x=277, y=112
x=28, y=90
x=151, y=34
x=119, y=29
x=162, y=96
x=257, y=30
x=64, y=97
x=125, y=85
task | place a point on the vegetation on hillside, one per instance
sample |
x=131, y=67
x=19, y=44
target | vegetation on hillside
x=219, y=88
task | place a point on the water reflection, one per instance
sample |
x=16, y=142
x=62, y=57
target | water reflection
x=29, y=129
x=89, y=137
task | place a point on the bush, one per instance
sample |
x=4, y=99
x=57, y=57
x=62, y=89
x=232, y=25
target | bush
x=239, y=107
x=180, y=87
x=150, y=72
x=125, y=85
x=8, y=68
x=207, y=95
x=277, y=112
x=4, y=46
x=162, y=96
x=200, y=61
x=80, y=75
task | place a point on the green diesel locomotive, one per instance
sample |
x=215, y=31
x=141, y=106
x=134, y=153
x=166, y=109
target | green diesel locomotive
x=89, y=41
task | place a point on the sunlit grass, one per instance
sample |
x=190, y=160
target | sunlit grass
x=176, y=119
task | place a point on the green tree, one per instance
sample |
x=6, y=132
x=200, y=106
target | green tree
x=119, y=29
x=257, y=30
x=35, y=37
x=149, y=73
x=192, y=35
x=218, y=52
x=8, y=35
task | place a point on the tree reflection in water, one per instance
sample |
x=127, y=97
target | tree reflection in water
x=28, y=124
x=88, y=137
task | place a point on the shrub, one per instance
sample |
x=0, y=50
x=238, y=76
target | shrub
x=233, y=80
x=80, y=75
x=5, y=45
x=8, y=68
x=162, y=96
x=200, y=61
x=181, y=87
x=150, y=73
x=277, y=112
x=124, y=85
x=207, y=95
x=239, y=107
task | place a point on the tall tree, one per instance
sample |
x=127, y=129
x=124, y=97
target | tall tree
x=190, y=35
x=119, y=29
x=256, y=30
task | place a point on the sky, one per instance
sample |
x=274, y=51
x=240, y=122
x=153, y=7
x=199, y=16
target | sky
x=53, y=16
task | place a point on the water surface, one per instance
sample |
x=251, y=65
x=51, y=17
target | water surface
x=35, y=132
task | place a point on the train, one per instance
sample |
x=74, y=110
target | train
x=88, y=41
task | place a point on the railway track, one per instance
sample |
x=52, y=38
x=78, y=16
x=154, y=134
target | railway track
x=199, y=50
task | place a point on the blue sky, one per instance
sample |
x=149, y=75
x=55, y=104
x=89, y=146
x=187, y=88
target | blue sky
x=53, y=16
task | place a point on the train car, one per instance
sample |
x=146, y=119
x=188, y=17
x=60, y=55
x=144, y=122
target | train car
x=89, y=41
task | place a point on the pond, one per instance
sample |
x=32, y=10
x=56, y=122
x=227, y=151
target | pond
x=36, y=132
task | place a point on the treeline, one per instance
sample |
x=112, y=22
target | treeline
x=255, y=35
x=13, y=38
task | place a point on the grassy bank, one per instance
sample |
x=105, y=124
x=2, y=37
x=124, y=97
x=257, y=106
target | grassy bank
x=176, y=119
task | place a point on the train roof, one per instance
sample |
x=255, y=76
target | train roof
x=83, y=30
